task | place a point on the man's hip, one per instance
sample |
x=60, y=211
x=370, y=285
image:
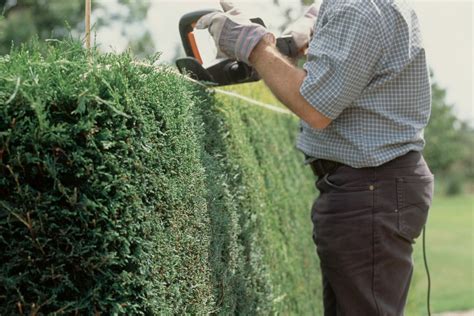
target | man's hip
x=365, y=221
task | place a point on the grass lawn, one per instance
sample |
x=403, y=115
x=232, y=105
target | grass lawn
x=450, y=251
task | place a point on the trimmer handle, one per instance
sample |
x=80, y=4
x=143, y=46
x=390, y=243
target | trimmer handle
x=287, y=46
x=186, y=28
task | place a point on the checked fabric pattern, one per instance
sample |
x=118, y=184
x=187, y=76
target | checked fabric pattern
x=367, y=71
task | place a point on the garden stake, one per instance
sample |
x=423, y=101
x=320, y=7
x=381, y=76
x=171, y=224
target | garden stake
x=88, y=24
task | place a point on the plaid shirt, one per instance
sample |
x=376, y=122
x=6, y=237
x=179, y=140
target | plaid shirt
x=367, y=71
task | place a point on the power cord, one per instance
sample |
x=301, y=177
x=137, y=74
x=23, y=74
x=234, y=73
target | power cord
x=427, y=273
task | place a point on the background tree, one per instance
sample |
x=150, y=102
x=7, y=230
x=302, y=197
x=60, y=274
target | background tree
x=449, y=144
x=443, y=135
x=24, y=19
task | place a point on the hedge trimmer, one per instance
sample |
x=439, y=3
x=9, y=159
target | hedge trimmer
x=221, y=71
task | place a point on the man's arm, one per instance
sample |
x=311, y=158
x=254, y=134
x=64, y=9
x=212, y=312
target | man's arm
x=285, y=80
x=341, y=62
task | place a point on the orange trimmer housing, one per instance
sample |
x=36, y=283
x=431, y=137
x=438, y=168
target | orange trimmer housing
x=193, y=43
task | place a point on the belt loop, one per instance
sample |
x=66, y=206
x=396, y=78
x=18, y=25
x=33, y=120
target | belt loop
x=321, y=167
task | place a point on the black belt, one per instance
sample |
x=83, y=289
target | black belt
x=321, y=167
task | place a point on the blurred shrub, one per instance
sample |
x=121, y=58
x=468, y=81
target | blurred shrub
x=454, y=185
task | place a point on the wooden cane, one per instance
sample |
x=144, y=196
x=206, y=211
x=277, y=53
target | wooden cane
x=88, y=24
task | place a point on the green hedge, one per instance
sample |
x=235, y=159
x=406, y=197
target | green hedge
x=127, y=190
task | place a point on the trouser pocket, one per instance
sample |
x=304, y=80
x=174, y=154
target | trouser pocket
x=414, y=197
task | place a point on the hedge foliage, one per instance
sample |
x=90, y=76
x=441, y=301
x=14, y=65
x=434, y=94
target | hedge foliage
x=125, y=189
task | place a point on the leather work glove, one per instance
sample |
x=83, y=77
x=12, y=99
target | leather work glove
x=302, y=29
x=235, y=35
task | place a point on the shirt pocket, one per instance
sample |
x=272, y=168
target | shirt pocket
x=414, y=198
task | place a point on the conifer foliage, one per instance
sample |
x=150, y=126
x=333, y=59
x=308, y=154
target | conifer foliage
x=125, y=189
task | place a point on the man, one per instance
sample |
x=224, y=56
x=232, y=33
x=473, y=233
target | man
x=364, y=99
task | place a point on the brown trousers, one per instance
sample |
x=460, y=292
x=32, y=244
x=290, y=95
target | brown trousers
x=365, y=222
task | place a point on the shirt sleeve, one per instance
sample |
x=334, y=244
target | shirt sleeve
x=341, y=62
